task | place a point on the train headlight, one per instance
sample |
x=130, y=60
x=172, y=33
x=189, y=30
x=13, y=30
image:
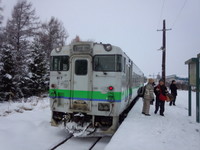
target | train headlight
x=58, y=49
x=103, y=107
x=107, y=47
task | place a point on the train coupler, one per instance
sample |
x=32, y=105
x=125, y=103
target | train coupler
x=78, y=126
x=79, y=130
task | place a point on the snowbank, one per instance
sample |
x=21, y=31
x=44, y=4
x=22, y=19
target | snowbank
x=29, y=104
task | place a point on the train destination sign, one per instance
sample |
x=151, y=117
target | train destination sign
x=84, y=48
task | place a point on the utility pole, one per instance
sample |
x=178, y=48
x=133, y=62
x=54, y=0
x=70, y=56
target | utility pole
x=163, y=48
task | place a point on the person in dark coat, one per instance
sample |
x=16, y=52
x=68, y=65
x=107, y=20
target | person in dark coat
x=173, y=89
x=160, y=89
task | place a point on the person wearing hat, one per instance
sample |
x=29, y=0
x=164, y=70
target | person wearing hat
x=148, y=96
x=173, y=89
x=160, y=91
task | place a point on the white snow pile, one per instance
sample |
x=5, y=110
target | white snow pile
x=22, y=105
x=8, y=76
x=175, y=131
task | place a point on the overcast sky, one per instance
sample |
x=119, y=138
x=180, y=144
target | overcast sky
x=131, y=25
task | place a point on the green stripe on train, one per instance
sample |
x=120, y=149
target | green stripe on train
x=83, y=94
x=97, y=95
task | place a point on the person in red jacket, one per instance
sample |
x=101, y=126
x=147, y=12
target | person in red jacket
x=160, y=91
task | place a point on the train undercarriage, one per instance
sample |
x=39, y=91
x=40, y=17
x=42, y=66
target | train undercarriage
x=82, y=124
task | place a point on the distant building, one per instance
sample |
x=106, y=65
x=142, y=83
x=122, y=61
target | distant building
x=178, y=79
x=182, y=83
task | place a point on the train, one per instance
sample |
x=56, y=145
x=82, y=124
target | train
x=91, y=85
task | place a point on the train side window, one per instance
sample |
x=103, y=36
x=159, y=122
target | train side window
x=119, y=63
x=81, y=67
x=124, y=69
x=59, y=63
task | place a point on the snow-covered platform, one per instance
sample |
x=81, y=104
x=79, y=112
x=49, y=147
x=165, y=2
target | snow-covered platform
x=175, y=131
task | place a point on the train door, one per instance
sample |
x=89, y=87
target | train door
x=81, y=84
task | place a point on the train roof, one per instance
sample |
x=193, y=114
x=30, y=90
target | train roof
x=87, y=47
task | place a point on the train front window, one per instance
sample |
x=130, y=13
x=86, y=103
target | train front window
x=81, y=67
x=59, y=63
x=108, y=63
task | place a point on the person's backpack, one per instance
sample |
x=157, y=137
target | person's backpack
x=141, y=91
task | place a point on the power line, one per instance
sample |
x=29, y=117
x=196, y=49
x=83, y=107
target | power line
x=179, y=13
x=161, y=13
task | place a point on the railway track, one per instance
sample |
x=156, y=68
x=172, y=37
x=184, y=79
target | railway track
x=62, y=142
x=76, y=143
x=95, y=143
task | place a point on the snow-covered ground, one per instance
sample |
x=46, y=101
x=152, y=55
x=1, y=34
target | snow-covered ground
x=26, y=126
x=27, y=129
x=175, y=131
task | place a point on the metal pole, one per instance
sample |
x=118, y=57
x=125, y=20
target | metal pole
x=164, y=51
x=189, y=101
x=189, y=93
x=197, y=92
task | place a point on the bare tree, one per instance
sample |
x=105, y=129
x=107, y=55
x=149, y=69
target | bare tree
x=1, y=16
x=22, y=26
x=1, y=29
x=1, y=37
x=52, y=35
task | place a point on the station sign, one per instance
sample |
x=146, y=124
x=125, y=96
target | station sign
x=192, y=68
x=192, y=73
x=194, y=80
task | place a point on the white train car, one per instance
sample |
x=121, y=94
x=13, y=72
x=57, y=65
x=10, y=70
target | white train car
x=91, y=84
